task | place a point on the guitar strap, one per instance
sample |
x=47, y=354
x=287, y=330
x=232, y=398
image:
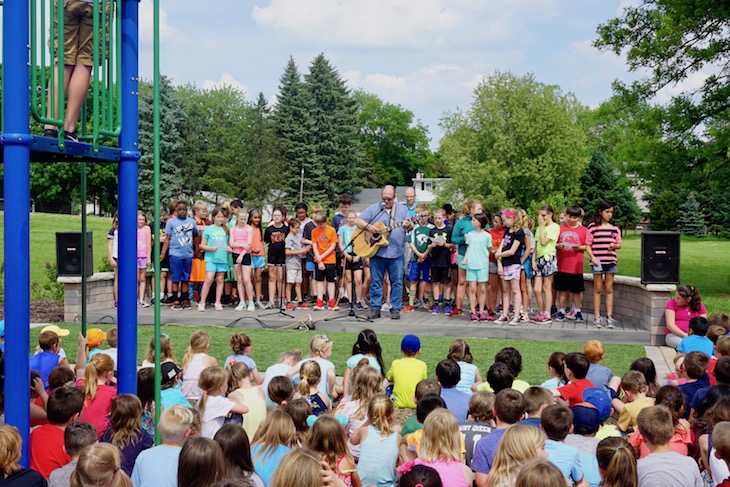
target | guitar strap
x=392, y=216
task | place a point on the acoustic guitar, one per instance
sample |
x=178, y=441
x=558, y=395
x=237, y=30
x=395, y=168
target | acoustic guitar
x=369, y=241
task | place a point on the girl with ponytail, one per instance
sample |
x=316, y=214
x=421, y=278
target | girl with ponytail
x=617, y=463
x=99, y=392
x=214, y=406
x=309, y=376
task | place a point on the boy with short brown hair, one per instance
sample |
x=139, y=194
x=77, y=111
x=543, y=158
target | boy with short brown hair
x=663, y=466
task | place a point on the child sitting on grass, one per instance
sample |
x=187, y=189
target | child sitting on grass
x=663, y=466
x=406, y=372
x=576, y=369
x=634, y=386
x=557, y=421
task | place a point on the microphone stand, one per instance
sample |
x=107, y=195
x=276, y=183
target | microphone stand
x=351, y=307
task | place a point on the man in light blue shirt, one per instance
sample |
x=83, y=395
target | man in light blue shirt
x=390, y=257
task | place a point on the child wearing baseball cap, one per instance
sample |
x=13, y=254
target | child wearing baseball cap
x=405, y=373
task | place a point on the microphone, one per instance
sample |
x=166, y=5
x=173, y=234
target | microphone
x=382, y=206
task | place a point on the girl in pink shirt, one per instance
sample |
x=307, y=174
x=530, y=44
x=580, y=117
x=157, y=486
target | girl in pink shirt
x=98, y=392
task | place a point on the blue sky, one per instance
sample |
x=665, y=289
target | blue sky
x=426, y=55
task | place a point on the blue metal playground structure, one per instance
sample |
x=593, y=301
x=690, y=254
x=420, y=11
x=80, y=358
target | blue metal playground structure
x=20, y=148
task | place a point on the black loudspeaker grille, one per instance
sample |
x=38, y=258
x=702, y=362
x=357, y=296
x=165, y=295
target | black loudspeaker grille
x=660, y=257
x=68, y=253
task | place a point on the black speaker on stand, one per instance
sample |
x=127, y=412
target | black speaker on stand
x=68, y=254
x=660, y=257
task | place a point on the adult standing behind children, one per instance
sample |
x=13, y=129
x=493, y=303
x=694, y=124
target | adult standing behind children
x=685, y=305
x=389, y=257
x=180, y=242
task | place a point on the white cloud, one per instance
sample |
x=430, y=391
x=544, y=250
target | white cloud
x=691, y=83
x=226, y=79
x=409, y=24
x=146, y=28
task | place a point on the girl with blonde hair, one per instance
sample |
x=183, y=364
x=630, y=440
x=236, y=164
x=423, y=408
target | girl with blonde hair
x=273, y=440
x=320, y=351
x=538, y=472
x=379, y=442
x=519, y=444
x=440, y=449
x=241, y=390
x=99, y=465
x=166, y=353
x=125, y=431
x=368, y=383
x=98, y=392
x=509, y=267
x=309, y=376
x=303, y=468
x=10, y=469
x=196, y=359
x=214, y=406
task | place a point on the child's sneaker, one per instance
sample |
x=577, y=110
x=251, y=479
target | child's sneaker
x=260, y=304
x=559, y=316
x=176, y=305
x=515, y=321
x=218, y=307
x=241, y=306
x=502, y=320
x=289, y=306
x=447, y=310
x=318, y=305
x=483, y=316
x=251, y=306
x=474, y=317
x=385, y=307
x=570, y=315
x=303, y=305
x=417, y=303
x=455, y=312
x=491, y=315
x=201, y=306
x=542, y=319
x=332, y=304
x=435, y=309
x=610, y=322
x=579, y=317
x=408, y=309
x=185, y=304
x=597, y=321
x=144, y=304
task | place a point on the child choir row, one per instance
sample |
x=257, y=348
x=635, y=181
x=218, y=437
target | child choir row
x=497, y=262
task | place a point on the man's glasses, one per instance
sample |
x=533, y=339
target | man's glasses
x=387, y=199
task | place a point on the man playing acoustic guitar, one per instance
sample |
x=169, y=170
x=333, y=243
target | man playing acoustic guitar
x=388, y=257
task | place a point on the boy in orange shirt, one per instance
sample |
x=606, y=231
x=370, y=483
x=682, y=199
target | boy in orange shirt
x=324, y=239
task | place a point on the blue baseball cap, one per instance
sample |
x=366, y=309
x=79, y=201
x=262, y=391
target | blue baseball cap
x=410, y=344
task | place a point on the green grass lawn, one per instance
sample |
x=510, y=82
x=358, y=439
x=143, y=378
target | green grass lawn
x=268, y=344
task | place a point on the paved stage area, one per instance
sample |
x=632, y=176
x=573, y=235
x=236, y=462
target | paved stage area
x=419, y=321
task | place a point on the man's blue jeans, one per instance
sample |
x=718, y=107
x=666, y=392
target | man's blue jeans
x=378, y=266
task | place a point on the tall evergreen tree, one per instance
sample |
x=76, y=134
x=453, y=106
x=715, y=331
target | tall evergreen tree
x=262, y=169
x=292, y=126
x=172, y=118
x=333, y=134
x=691, y=221
x=600, y=183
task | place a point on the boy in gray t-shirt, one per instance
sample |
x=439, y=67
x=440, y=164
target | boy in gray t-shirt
x=294, y=251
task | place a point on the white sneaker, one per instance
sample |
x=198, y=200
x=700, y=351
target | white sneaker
x=201, y=307
x=251, y=306
x=218, y=307
x=240, y=306
x=597, y=321
x=610, y=322
x=385, y=307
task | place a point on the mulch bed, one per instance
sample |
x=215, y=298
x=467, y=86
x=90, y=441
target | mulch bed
x=41, y=311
